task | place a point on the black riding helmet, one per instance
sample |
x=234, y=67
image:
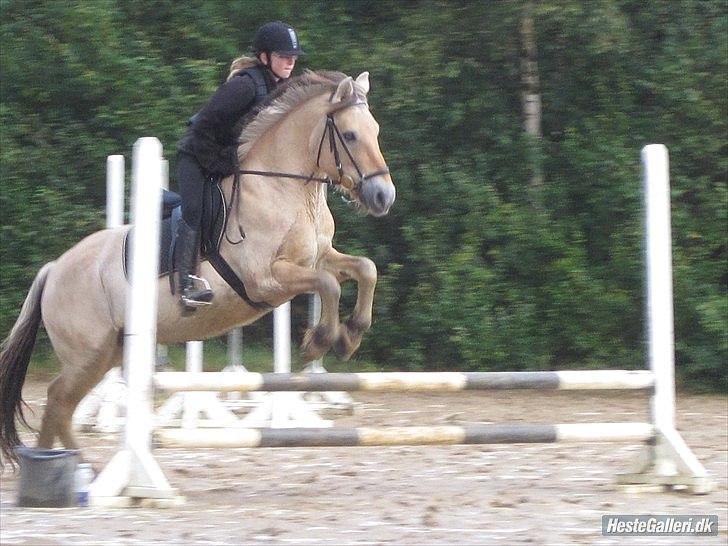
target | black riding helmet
x=277, y=37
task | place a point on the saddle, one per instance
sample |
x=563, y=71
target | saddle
x=212, y=230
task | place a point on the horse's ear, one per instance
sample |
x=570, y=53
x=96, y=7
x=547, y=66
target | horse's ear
x=344, y=91
x=363, y=82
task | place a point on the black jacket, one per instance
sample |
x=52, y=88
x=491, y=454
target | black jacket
x=212, y=135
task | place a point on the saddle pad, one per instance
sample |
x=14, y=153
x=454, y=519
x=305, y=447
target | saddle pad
x=212, y=228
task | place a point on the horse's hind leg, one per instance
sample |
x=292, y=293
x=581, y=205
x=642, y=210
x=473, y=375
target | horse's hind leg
x=80, y=373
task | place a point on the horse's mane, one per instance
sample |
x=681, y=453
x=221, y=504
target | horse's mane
x=286, y=98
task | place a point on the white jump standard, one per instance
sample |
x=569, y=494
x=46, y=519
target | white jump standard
x=667, y=461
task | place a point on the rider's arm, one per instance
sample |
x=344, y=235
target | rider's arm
x=214, y=142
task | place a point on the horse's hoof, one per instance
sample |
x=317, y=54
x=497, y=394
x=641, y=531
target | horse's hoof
x=349, y=339
x=315, y=344
x=344, y=347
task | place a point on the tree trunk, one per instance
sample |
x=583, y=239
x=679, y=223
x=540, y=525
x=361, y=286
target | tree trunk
x=531, y=99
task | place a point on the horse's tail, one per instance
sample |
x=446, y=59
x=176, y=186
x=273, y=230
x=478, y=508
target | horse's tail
x=15, y=353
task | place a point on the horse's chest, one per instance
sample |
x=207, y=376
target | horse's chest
x=306, y=243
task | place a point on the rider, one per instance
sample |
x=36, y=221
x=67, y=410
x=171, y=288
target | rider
x=209, y=147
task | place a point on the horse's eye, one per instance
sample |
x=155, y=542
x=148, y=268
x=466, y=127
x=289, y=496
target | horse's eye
x=349, y=136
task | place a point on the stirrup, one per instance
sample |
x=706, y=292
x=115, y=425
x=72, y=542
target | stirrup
x=190, y=302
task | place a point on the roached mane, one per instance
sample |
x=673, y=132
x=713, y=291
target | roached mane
x=285, y=99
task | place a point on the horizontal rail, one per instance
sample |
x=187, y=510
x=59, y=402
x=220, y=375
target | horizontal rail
x=403, y=381
x=403, y=436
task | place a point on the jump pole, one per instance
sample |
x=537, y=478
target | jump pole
x=405, y=381
x=133, y=472
x=406, y=436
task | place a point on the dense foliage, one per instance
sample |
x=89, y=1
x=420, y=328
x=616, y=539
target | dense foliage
x=479, y=269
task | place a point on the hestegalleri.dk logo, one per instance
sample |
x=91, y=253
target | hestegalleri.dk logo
x=660, y=524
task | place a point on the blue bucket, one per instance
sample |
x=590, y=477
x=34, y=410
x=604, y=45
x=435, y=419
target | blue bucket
x=47, y=477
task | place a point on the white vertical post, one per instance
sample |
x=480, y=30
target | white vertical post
x=282, y=402
x=235, y=347
x=193, y=359
x=282, y=338
x=235, y=364
x=133, y=472
x=669, y=461
x=162, y=350
x=314, y=317
x=140, y=330
x=114, y=191
x=658, y=247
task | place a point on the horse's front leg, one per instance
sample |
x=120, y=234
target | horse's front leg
x=364, y=272
x=300, y=280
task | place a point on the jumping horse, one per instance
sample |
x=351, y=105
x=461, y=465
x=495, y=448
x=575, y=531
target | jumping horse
x=316, y=131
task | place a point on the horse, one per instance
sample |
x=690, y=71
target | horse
x=315, y=132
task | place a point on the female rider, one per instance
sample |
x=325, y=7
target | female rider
x=209, y=147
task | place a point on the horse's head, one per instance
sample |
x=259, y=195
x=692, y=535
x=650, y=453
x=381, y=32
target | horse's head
x=342, y=147
x=348, y=150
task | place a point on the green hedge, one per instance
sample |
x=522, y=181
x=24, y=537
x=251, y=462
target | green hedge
x=477, y=271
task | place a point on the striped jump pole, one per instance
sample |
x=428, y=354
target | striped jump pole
x=404, y=436
x=405, y=381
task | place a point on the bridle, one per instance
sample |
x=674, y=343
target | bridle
x=344, y=181
x=334, y=134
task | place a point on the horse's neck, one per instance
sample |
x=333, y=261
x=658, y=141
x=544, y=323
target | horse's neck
x=276, y=201
x=287, y=149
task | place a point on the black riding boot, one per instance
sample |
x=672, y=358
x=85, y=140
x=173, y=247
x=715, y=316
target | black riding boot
x=186, y=254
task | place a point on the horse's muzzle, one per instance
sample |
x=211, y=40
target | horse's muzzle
x=377, y=195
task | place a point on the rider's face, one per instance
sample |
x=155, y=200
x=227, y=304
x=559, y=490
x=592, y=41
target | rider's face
x=282, y=65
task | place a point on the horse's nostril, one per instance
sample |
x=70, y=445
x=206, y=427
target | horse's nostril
x=378, y=197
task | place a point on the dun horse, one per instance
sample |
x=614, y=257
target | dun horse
x=318, y=128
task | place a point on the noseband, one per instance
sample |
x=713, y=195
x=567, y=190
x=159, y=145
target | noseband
x=334, y=133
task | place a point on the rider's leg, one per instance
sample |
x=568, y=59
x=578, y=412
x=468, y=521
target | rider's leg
x=191, y=181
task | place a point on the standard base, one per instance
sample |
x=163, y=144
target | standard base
x=284, y=410
x=668, y=464
x=188, y=408
x=137, y=502
x=132, y=474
